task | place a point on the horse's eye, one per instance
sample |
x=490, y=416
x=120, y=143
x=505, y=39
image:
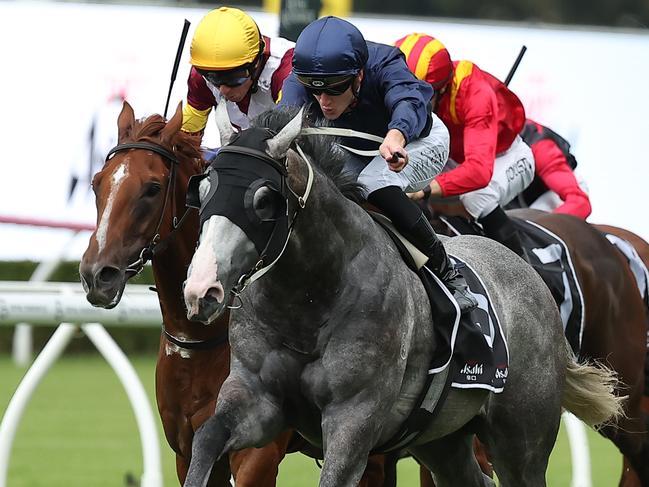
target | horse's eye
x=265, y=203
x=152, y=189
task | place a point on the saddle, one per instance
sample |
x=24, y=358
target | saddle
x=470, y=348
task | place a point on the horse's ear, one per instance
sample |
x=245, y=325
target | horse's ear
x=173, y=125
x=278, y=145
x=125, y=122
x=223, y=122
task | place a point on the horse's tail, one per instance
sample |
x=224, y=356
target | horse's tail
x=589, y=393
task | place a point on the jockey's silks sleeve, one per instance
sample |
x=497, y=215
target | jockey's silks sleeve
x=280, y=74
x=553, y=169
x=200, y=101
x=406, y=97
x=483, y=118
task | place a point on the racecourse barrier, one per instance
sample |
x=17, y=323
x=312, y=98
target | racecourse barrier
x=65, y=303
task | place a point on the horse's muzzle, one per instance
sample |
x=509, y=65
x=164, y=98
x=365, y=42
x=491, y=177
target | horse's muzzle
x=206, y=308
x=103, y=285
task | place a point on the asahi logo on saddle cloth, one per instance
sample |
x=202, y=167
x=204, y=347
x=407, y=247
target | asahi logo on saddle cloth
x=474, y=369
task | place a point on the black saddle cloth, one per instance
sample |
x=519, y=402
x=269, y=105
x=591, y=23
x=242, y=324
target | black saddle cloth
x=472, y=345
x=549, y=256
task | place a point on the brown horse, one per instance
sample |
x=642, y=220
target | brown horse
x=615, y=324
x=641, y=246
x=140, y=196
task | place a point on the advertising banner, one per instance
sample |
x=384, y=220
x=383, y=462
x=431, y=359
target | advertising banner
x=67, y=67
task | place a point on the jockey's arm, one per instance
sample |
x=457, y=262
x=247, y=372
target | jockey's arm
x=200, y=101
x=553, y=169
x=479, y=115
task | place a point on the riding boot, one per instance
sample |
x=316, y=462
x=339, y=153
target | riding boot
x=408, y=218
x=499, y=227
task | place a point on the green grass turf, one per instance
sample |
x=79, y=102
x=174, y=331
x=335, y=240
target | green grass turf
x=79, y=430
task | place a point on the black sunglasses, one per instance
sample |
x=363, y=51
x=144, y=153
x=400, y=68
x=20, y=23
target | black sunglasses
x=331, y=85
x=231, y=78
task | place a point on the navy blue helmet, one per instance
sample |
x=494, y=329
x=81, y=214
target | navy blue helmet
x=328, y=47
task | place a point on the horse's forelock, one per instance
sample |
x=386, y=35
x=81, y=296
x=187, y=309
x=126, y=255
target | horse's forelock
x=183, y=145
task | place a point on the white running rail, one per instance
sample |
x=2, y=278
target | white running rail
x=47, y=303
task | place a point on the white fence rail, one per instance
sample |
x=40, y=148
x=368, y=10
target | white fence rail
x=51, y=303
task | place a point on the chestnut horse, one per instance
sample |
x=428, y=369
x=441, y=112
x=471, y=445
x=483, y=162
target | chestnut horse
x=140, y=196
x=615, y=324
x=629, y=477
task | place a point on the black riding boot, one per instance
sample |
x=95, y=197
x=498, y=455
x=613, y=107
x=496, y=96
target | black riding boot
x=499, y=227
x=408, y=218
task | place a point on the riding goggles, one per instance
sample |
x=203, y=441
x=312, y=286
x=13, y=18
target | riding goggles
x=330, y=85
x=231, y=78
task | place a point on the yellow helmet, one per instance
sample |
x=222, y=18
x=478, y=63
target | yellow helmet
x=225, y=38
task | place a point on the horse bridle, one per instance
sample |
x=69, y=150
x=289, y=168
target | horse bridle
x=156, y=243
x=261, y=267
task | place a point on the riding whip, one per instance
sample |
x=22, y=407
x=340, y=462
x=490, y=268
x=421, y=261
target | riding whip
x=183, y=36
x=510, y=75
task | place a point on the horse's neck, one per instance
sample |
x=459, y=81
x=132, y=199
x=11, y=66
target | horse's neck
x=329, y=232
x=170, y=271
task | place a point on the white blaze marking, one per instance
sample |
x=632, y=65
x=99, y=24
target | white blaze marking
x=118, y=176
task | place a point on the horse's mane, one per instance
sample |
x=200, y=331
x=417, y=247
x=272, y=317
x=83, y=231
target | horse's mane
x=184, y=146
x=321, y=149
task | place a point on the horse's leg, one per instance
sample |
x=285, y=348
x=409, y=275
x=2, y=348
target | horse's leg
x=481, y=455
x=520, y=441
x=349, y=431
x=220, y=476
x=258, y=467
x=629, y=477
x=377, y=472
x=244, y=417
x=634, y=447
x=452, y=461
x=425, y=477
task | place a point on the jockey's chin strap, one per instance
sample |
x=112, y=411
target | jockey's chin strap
x=261, y=267
x=156, y=243
x=340, y=132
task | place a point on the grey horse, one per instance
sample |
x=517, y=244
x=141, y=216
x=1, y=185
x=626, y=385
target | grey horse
x=332, y=333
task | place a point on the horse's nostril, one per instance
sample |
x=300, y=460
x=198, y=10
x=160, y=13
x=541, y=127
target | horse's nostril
x=108, y=275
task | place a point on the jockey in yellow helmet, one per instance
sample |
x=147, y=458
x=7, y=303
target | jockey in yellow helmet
x=231, y=59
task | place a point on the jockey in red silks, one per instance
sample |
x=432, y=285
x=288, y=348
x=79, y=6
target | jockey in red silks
x=556, y=187
x=484, y=119
x=231, y=59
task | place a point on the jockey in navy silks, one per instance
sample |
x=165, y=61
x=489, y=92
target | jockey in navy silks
x=366, y=86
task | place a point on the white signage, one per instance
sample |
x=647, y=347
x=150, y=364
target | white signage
x=63, y=63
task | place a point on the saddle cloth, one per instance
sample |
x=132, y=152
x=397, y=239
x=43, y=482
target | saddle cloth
x=638, y=269
x=470, y=349
x=472, y=342
x=549, y=256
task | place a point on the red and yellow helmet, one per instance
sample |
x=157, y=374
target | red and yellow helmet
x=427, y=58
x=226, y=38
